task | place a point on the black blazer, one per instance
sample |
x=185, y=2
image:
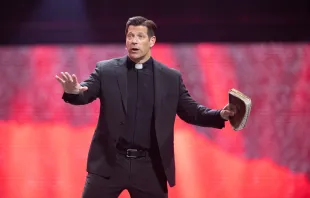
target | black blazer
x=108, y=82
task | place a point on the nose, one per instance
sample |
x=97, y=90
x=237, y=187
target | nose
x=135, y=40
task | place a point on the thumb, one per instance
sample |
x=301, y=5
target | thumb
x=82, y=89
x=230, y=113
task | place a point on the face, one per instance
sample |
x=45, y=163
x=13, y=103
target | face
x=139, y=44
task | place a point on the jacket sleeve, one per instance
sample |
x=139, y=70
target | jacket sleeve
x=193, y=113
x=88, y=96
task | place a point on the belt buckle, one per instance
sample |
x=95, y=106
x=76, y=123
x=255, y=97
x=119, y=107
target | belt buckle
x=128, y=153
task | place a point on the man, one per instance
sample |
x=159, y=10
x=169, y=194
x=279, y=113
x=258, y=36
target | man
x=132, y=147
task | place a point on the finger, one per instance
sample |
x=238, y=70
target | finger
x=59, y=79
x=224, y=115
x=231, y=113
x=232, y=107
x=82, y=89
x=226, y=107
x=74, y=78
x=65, y=78
x=69, y=77
x=228, y=113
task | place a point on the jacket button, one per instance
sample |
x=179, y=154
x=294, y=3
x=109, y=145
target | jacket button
x=121, y=123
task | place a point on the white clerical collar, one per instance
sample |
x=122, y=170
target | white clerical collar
x=139, y=66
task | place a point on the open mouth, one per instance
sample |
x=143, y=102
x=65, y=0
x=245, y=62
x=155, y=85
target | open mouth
x=134, y=49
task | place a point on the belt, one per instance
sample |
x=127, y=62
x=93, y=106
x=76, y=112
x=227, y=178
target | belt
x=133, y=153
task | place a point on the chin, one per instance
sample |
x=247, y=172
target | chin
x=135, y=56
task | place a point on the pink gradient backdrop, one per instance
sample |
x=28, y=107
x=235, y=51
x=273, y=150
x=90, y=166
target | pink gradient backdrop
x=44, y=141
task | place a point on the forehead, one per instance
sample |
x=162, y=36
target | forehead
x=137, y=29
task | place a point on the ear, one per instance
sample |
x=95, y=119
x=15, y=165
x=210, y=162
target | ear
x=152, y=41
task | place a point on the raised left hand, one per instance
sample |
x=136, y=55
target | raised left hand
x=228, y=111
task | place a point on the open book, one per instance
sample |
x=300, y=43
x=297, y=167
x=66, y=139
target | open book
x=243, y=106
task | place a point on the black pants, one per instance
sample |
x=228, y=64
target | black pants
x=142, y=177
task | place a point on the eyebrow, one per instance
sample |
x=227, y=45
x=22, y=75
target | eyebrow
x=137, y=33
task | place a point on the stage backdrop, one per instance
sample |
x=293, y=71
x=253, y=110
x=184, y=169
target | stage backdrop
x=44, y=142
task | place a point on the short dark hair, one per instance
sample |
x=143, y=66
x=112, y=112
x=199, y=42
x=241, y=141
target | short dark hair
x=140, y=20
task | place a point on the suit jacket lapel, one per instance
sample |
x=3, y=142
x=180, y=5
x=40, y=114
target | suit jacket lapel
x=121, y=73
x=159, y=87
x=160, y=80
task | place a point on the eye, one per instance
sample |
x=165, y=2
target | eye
x=141, y=36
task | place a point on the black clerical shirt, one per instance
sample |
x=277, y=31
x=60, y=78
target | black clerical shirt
x=140, y=106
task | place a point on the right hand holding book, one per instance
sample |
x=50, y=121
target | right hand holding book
x=243, y=105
